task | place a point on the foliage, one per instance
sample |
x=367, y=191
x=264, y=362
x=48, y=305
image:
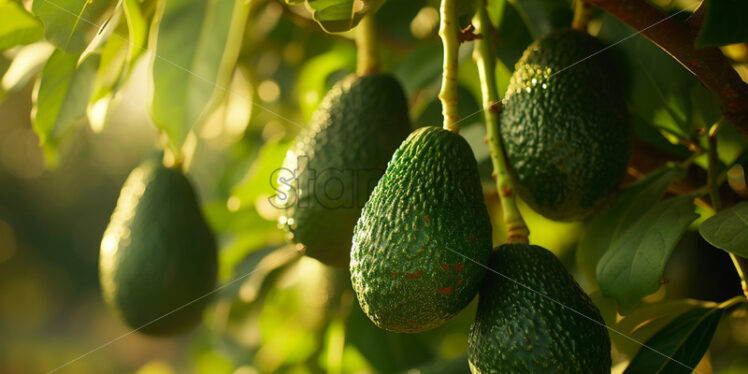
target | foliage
x=229, y=83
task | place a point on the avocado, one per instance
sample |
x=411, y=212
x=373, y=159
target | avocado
x=158, y=257
x=565, y=126
x=336, y=162
x=534, y=318
x=426, y=218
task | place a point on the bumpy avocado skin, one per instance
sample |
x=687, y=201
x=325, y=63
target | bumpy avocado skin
x=427, y=206
x=158, y=257
x=534, y=318
x=565, y=125
x=338, y=161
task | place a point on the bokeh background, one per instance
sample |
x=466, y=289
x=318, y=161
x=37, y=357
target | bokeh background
x=293, y=315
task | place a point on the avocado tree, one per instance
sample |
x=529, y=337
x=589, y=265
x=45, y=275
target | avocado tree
x=483, y=186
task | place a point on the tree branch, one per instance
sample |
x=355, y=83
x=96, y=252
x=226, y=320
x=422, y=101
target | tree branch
x=678, y=38
x=449, y=33
x=485, y=58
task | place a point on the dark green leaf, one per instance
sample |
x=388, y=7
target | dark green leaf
x=71, y=24
x=495, y=11
x=658, y=88
x=728, y=229
x=513, y=36
x=646, y=320
x=544, y=16
x=724, y=23
x=609, y=224
x=17, y=26
x=341, y=15
x=633, y=266
x=679, y=346
x=198, y=44
x=64, y=92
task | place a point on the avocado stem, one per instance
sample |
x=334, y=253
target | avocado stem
x=367, y=59
x=449, y=32
x=516, y=229
x=582, y=15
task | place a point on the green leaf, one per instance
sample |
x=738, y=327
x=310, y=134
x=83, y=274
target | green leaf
x=71, y=24
x=260, y=180
x=645, y=321
x=341, y=15
x=108, y=79
x=64, y=92
x=544, y=16
x=495, y=11
x=25, y=65
x=633, y=266
x=312, y=80
x=137, y=27
x=17, y=26
x=728, y=229
x=627, y=207
x=197, y=47
x=679, y=346
x=658, y=87
x=724, y=23
x=513, y=36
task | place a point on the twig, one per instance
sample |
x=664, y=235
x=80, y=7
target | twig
x=678, y=38
x=448, y=32
x=741, y=264
x=366, y=44
x=582, y=15
x=516, y=229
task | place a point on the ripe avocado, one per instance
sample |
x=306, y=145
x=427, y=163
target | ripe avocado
x=338, y=160
x=565, y=125
x=534, y=318
x=427, y=206
x=158, y=256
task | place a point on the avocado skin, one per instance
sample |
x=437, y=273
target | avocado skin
x=517, y=330
x=353, y=133
x=158, y=256
x=565, y=125
x=428, y=200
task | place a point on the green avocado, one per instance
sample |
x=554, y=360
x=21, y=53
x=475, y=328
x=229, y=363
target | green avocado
x=534, y=318
x=565, y=125
x=334, y=165
x=158, y=258
x=414, y=247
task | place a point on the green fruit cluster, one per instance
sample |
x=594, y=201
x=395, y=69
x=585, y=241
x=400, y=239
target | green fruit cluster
x=534, y=318
x=416, y=236
x=414, y=247
x=158, y=258
x=565, y=125
x=337, y=161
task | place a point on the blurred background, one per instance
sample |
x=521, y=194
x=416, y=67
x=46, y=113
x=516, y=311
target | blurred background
x=293, y=315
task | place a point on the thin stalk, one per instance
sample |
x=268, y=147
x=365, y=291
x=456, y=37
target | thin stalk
x=449, y=32
x=713, y=169
x=582, y=15
x=366, y=44
x=741, y=264
x=516, y=229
